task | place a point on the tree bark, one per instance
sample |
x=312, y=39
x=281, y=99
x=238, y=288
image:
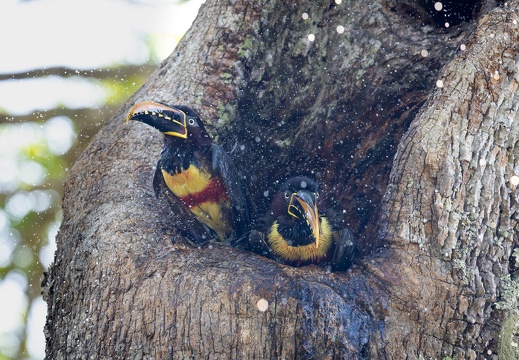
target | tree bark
x=423, y=171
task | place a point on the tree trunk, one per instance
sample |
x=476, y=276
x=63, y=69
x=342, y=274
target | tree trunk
x=410, y=127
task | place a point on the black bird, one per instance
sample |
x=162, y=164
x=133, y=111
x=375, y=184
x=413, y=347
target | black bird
x=295, y=233
x=196, y=175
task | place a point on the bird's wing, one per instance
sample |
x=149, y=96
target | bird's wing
x=345, y=250
x=158, y=179
x=195, y=232
x=223, y=165
x=254, y=241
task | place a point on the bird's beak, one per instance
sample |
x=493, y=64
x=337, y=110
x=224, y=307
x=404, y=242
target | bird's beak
x=168, y=120
x=307, y=207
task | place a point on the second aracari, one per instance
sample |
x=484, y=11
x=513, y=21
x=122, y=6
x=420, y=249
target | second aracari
x=296, y=233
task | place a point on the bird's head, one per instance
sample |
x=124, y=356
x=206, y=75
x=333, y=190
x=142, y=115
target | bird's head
x=177, y=121
x=295, y=207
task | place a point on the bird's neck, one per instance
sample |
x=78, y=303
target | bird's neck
x=178, y=154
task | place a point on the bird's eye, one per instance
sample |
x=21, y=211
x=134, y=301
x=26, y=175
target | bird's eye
x=191, y=121
x=287, y=195
x=316, y=195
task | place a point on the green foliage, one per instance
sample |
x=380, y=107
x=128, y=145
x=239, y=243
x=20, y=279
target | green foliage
x=120, y=89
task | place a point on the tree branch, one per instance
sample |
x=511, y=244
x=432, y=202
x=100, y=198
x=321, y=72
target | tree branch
x=123, y=71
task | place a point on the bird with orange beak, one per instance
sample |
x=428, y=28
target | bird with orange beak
x=196, y=175
x=297, y=234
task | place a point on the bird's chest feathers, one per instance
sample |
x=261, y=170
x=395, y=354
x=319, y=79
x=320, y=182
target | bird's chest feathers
x=309, y=252
x=195, y=186
x=205, y=196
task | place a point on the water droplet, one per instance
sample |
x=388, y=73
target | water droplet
x=262, y=305
x=438, y=6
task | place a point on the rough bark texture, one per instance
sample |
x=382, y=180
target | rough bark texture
x=435, y=211
x=450, y=208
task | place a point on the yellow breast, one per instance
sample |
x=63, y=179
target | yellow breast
x=205, y=196
x=191, y=181
x=303, y=253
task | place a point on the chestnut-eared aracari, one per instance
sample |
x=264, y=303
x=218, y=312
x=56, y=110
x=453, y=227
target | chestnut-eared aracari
x=296, y=233
x=196, y=175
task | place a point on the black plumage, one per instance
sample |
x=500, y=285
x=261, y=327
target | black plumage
x=196, y=175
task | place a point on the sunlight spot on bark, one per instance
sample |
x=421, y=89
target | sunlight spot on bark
x=262, y=305
x=496, y=75
x=439, y=83
x=482, y=162
x=514, y=180
x=462, y=47
x=311, y=37
x=424, y=53
x=438, y=6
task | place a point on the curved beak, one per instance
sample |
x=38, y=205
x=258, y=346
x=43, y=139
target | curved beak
x=167, y=119
x=306, y=206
